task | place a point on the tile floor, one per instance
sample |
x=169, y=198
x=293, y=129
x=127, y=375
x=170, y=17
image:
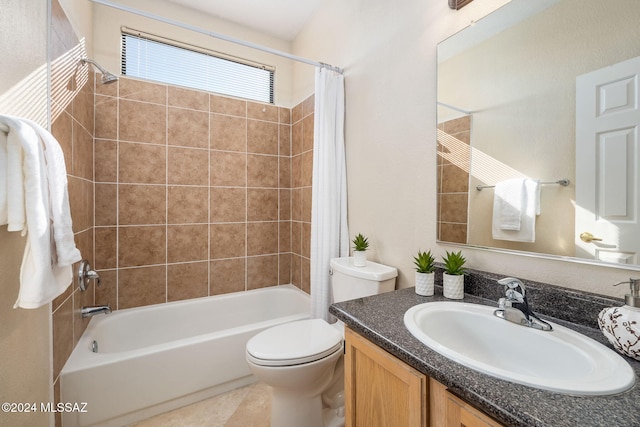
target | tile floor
x=248, y=406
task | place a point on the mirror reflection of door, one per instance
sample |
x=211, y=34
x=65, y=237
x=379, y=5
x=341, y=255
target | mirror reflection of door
x=608, y=163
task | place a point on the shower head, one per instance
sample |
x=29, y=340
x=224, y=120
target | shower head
x=107, y=77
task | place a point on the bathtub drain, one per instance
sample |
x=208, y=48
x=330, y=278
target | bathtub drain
x=94, y=346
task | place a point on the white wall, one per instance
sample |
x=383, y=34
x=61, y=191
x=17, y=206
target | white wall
x=80, y=14
x=106, y=38
x=389, y=55
x=25, y=335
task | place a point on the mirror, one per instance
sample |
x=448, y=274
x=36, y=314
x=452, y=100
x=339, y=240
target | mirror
x=516, y=90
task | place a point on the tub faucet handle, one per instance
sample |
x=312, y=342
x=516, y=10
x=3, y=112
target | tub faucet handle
x=86, y=273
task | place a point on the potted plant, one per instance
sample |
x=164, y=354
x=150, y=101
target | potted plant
x=360, y=245
x=453, y=277
x=424, y=273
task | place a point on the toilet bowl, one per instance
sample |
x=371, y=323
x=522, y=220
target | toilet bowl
x=302, y=360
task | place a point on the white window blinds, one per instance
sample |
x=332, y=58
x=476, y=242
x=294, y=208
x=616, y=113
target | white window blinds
x=154, y=58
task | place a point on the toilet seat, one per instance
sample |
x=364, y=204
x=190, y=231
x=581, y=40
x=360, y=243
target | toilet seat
x=294, y=343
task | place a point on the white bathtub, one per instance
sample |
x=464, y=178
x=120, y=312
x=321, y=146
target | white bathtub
x=156, y=358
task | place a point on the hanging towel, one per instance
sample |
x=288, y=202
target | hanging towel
x=15, y=215
x=508, y=203
x=4, y=210
x=40, y=190
x=66, y=251
x=529, y=209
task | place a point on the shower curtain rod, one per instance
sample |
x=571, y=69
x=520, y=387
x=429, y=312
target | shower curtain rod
x=455, y=108
x=218, y=35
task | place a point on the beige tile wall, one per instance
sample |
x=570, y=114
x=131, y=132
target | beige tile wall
x=195, y=193
x=453, y=182
x=301, y=178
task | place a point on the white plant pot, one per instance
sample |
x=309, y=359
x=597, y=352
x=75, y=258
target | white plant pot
x=424, y=284
x=453, y=286
x=360, y=258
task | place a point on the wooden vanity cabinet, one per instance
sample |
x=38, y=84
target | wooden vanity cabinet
x=383, y=391
x=461, y=414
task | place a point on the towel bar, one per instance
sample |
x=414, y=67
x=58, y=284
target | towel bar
x=564, y=182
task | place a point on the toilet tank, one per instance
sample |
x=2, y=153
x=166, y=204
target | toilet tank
x=351, y=282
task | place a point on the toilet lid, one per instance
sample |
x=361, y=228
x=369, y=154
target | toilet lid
x=294, y=343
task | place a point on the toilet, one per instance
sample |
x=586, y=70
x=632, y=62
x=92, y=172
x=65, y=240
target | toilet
x=302, y=360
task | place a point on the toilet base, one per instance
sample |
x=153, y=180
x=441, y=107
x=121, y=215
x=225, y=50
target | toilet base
x=325, y=410
x=333, y=417
x=292, y=411
x=333, y=398
x=296, y=391
x=289, y=410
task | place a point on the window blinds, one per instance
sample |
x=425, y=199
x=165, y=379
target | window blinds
x=154, y=58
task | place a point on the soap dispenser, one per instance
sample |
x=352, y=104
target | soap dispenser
x=621, y=325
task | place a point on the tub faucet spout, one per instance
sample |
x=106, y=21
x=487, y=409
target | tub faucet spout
x=93, y=310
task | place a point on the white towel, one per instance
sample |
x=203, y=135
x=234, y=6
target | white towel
x=529, y=210
x=4, y=212
x=66, y=251
x=508, y=203
x=43, y=185
x=16, y=216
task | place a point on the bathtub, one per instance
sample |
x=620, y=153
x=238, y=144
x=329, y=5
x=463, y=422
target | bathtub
x=157, y=358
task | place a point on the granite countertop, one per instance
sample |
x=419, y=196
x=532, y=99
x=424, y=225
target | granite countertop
x=379, y=318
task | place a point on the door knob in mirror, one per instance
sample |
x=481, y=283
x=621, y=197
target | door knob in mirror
x=588, y=237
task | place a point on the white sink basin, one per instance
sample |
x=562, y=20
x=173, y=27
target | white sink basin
x=561, y=360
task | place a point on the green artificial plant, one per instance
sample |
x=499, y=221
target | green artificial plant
x=453, y=263
x=424, y=262
x=360, y=243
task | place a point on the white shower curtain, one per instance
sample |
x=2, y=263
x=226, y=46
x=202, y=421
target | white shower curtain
x=329, y=233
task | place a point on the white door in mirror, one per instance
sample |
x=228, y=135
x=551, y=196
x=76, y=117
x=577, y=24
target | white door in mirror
x=607, y=163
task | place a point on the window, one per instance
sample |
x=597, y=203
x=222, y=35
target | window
x=155, y=58
x=458, y=4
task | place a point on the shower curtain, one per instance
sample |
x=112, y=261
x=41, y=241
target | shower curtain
x=329, y=233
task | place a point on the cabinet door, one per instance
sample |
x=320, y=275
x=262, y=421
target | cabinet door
x=461, y=414
x=438, y=396
x=381, y=390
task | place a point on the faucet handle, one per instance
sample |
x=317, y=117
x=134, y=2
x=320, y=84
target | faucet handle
x=86, y=273
x=512, y=285
x=511, y=282
x=93, y=275
x=514, y=295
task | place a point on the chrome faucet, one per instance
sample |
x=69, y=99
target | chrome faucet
x=93, y=310
x=515, y=308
